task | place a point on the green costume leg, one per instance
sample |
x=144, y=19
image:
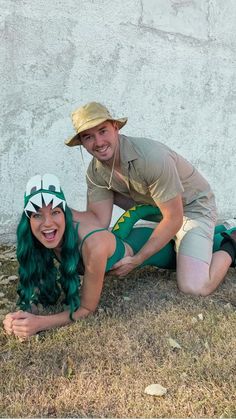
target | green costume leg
x=166, y=257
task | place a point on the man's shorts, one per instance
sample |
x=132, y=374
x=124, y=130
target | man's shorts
x=195, y=238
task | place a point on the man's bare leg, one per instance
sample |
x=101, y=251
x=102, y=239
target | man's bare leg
x=197, y=277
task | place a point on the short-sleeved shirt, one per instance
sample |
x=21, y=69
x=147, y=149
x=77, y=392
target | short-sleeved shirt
x=153, y=173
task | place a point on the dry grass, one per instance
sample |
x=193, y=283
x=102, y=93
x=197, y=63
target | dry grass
x=99, y=367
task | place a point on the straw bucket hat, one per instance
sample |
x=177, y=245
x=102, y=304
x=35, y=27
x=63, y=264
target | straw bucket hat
x=89, y=116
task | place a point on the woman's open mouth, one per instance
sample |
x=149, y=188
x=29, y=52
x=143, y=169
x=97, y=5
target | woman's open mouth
x=49, y=234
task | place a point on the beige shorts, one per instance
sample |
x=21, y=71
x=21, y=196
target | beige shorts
x=195, y=238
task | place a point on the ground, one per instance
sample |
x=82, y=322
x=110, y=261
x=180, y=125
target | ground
x=144, y=332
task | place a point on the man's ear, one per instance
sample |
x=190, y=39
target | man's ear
x=115, y=125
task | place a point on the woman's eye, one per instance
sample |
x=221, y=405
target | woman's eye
x=56, y=212
x=36, y=215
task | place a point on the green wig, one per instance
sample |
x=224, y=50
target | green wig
x=41, y=281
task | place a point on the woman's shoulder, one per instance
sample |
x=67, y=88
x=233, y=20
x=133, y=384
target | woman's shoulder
x=96, y=238
x=85, y=229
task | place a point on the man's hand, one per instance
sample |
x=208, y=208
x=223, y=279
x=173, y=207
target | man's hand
x=124, y=266
x=22, y=324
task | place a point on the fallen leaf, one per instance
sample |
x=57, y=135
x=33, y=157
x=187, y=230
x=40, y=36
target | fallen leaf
x=155, y=390
x=3, y=311
x=5, y=301
x=13, y=278
x=174, y=344
x=9, y=256
x=68, y=367
x=7, y=281
x=9, y=250
x=100, y=310
x=206, y=344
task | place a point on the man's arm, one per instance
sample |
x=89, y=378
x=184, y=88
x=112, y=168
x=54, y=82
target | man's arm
x=98, y=213
x=172, y=212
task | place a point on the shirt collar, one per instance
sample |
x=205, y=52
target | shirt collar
x=127, y=150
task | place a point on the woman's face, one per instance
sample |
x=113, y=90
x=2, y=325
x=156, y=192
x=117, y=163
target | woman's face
x=48, y=226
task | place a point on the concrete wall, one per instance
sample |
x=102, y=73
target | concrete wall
x=169, y=65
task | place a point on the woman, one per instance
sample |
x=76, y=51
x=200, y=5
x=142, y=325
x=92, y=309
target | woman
x=47, y=232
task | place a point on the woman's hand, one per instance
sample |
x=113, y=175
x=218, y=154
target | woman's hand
x=7, y=323
x=22, y=324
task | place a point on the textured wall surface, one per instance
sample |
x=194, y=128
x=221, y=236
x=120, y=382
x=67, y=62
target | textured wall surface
x=169, y=65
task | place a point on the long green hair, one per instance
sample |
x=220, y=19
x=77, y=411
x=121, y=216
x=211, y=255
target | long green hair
x=40, y=279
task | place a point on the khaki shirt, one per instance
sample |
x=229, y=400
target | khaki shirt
x=153, y=173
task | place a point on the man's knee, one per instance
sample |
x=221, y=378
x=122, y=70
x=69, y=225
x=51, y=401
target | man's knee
x=197, y=288
x=193, y=276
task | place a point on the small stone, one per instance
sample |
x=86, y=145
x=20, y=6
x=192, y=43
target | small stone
x=126, y=298
x=155, y=390
x=174, y=344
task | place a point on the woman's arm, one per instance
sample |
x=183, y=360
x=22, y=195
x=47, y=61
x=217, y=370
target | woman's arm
x=96, y=250
x=23, y=324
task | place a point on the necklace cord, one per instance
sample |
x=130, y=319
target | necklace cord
x=112, y=170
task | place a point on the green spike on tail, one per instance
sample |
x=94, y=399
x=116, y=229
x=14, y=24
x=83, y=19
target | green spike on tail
x=130, y=217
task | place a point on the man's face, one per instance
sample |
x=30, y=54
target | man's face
x=101, y=141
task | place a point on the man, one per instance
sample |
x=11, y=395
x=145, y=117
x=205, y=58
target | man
x=126, y=170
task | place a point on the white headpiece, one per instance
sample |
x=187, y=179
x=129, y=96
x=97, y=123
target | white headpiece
x=43, y=190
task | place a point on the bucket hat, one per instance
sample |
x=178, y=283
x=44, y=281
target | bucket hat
x=89, y=116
